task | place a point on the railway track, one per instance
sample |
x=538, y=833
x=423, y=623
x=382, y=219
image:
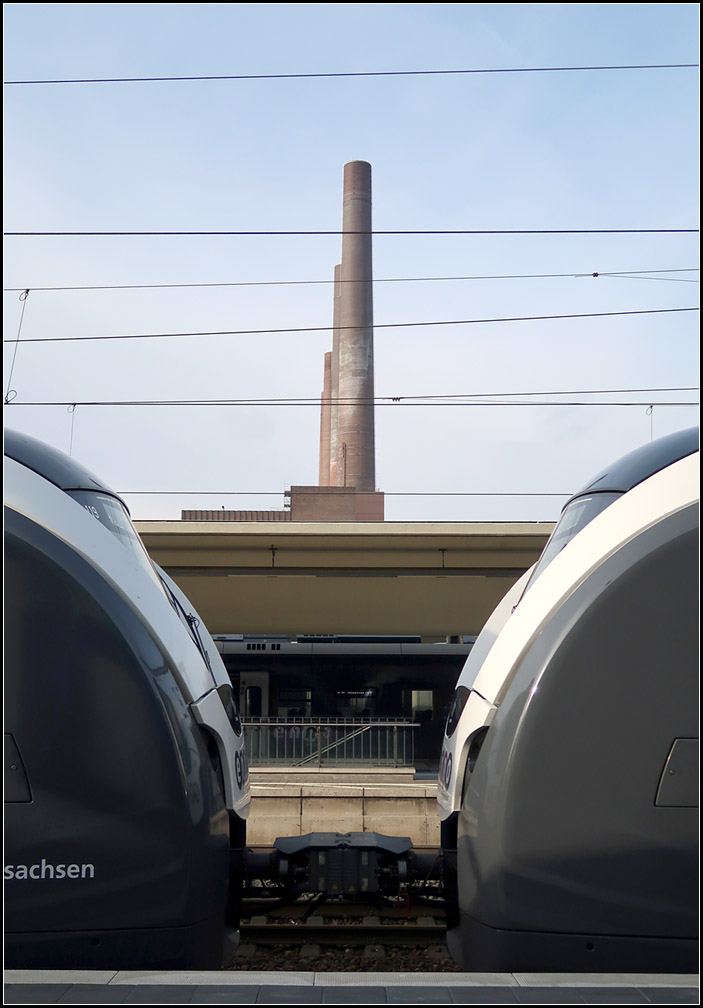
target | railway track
x=324, y=935
x=286, y=924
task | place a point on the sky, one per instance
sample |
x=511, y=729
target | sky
x=540, y=150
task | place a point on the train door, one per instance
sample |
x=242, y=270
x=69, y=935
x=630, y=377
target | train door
x=254, y=694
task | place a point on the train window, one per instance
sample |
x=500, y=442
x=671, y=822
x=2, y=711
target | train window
x=295, y=703
x=457, y=706
x=418, y=705
x=112, y=514
x=575, y=516
x=357, y=703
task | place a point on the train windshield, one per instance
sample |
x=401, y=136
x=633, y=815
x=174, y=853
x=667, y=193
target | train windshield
x=575, y=516
x=113, y=515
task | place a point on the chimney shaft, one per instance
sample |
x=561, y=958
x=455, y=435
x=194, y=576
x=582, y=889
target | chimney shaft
x=355, y=413
x=334, y=412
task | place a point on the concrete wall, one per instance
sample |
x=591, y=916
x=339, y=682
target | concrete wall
x=293, y=803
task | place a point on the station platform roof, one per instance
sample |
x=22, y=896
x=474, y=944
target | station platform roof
x=434, y=579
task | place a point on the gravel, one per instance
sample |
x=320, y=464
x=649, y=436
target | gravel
x=339, y=959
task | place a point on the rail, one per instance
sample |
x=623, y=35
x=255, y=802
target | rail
x=329, y=742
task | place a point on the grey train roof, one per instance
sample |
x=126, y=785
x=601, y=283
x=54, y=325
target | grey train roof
x=53, y=464
x=638, y=465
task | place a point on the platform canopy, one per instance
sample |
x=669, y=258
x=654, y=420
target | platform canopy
x=432, y=579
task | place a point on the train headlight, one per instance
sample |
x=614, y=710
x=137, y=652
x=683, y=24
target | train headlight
x=457, y=705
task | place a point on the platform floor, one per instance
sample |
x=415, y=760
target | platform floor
x=125, y=987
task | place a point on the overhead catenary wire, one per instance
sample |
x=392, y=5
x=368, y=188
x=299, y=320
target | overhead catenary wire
x=417, y=399
x=637, y=276
x=353, y=74
x=629, y=274
x=330, y=328
x=459, y=395
x=302, y=492
x=336, y=233
x=393, y=402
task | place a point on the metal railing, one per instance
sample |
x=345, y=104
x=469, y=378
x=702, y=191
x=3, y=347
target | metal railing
x=329, y=742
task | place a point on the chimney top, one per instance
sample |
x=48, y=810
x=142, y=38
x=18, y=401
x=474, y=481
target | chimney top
x=357, y=180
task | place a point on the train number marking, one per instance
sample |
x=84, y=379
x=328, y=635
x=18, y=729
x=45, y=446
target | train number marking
x=241, y=768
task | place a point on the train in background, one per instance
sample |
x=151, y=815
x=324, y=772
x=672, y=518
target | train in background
x=347, y=677
x=126, y=778
x=568, y=782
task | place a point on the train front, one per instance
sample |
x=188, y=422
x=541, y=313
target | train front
x=568, y=786
x=126, y=782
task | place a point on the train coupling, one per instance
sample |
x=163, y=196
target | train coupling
x=342, y=864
